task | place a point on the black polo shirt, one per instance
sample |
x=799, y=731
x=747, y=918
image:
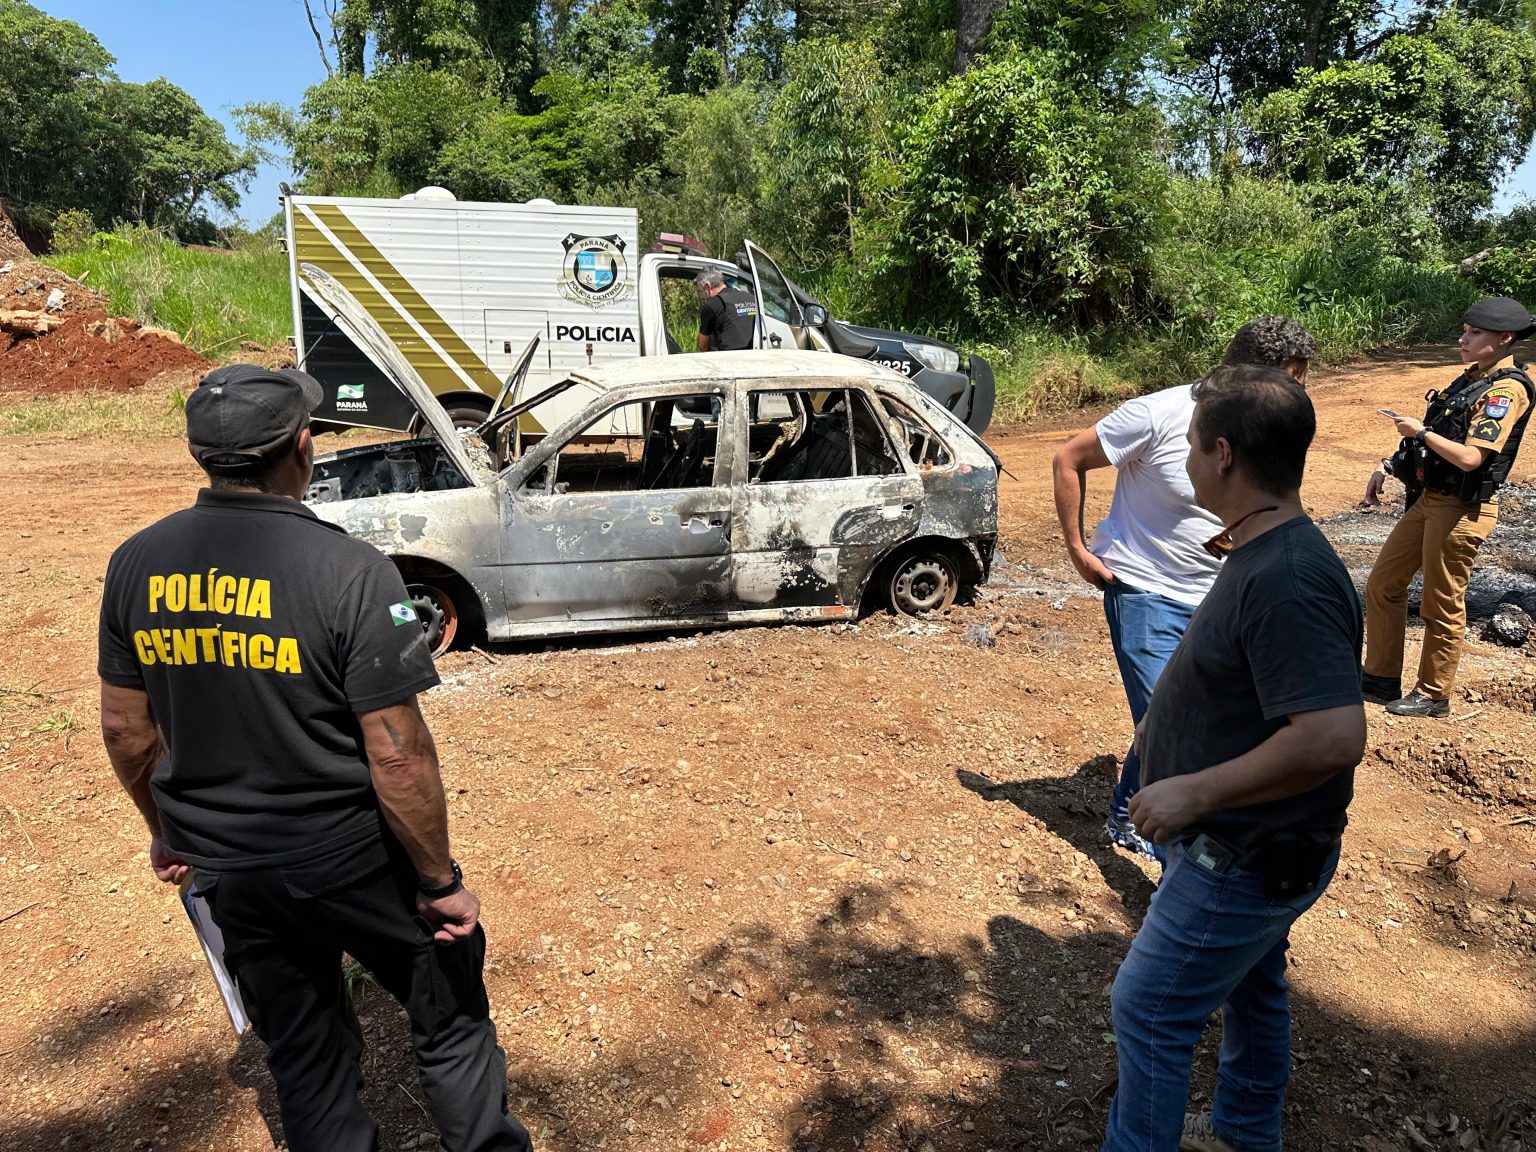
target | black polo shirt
x=729, y=319
x=259, y=632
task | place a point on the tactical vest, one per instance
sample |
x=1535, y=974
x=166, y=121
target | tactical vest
x=1450, y=415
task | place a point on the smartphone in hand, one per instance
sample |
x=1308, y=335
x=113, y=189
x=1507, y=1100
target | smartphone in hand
x=1389, y=412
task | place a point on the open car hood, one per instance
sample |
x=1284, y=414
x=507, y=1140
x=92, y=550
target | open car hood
x=344, y=309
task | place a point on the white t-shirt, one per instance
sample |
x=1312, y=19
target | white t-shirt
x=1154, y=535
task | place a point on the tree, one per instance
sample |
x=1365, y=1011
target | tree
x=1106, y=43
x=163, y=155
x=1021, y=190
x=827, y=131
x=1441, y=115
x=50, y=73
x=377, y=135
x=74, y=136
x=491, y=43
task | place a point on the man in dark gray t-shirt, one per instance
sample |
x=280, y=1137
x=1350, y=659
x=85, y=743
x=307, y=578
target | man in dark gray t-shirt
x=1282, y=636
x=1248, y=752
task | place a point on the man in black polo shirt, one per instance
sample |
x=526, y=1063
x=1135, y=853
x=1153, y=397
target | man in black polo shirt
x=727, y=316
x=259, y=675
x=1248, y=752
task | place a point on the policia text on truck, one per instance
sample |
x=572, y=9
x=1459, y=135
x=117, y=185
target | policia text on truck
x=1452, y=463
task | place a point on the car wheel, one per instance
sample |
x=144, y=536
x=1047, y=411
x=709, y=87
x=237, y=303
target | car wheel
x=466, y=415
x=921, y=581
x=438, y=613
x=463, y=416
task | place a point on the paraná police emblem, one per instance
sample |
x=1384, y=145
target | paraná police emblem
x=595, y=271
x=403, y=613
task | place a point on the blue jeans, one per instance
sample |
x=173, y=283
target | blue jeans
x=1144, y=629
x=1209, y=941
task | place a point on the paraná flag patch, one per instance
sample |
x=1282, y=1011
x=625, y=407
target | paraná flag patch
x=1497, y=405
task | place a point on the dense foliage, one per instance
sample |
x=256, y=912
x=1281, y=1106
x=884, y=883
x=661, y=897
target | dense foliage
x=1068, y=183
x=73, y=136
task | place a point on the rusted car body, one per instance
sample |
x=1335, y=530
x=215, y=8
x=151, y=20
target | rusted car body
x=690, y=491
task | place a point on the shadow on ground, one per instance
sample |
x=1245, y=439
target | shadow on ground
x=1073, y=808
x=183, y=1105
x=1004, y=1043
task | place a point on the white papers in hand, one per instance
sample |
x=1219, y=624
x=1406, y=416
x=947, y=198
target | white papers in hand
x=212, y=940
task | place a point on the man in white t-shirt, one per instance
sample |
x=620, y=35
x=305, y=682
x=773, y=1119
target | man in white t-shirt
x=1150, y=555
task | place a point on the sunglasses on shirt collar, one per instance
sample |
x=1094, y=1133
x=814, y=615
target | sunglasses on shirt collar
x=1220, y=545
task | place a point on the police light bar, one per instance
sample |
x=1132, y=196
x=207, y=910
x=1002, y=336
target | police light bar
x=678, y=244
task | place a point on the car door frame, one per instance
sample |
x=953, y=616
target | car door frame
x=791, y=332
x=702, y=516
x=803, y=549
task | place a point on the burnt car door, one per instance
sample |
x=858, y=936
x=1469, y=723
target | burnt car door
x=623, y=516
x=822, y=494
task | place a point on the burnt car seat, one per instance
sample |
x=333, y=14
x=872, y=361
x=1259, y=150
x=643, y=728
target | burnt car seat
x=822, y=453
x=678, y=471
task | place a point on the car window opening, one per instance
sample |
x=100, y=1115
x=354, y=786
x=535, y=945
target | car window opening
x=922, y=443
x=824, y=435
x=641, y=446
x=680, y=303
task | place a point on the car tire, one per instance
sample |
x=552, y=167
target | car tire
x=439, y=615
x=463, y=415
x=921, y=580
x=466, y=415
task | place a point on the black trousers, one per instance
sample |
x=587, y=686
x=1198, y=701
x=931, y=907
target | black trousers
x=284, y=933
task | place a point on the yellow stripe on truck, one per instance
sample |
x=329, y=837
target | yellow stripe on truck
x=312, y=247
x=406, y=297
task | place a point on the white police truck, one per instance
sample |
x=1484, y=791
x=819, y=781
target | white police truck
x=462, y=288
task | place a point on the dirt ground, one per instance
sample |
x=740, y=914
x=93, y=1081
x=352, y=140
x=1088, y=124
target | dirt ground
x=776, y=888
x=91, y=350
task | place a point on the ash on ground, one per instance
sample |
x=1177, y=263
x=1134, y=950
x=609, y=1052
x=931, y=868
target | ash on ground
x=1505, y=574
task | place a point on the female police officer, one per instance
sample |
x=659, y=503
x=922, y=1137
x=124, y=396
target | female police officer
x=1452, y=463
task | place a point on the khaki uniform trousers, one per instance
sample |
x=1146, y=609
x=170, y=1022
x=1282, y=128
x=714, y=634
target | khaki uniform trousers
x=1440, y=535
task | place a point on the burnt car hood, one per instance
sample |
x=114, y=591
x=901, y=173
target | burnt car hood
x=344, y=309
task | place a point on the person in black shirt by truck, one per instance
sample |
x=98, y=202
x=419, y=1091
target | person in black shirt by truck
x=727, y=316
x=259, y=672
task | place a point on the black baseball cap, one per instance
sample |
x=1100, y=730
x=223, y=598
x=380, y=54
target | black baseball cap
x=1500, y=314
x=242, y=416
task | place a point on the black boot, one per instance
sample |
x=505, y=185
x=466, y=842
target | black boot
x=1417, y=704
x=1380, y=689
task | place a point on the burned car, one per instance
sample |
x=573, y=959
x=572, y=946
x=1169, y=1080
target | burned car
x=689, y=491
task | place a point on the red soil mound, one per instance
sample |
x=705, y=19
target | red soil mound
x=11, y=246
x=91, y=352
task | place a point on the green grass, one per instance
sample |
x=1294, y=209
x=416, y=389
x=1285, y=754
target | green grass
x=96, y=414
x=213, y=299
x=1048, y=374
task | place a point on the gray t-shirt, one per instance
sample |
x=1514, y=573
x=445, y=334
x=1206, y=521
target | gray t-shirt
x=1279, y=633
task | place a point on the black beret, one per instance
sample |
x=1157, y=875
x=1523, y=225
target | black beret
x=1500, y=314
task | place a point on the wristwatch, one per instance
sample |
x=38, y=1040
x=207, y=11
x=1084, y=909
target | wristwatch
x=1418, y=437
x=447, y=889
